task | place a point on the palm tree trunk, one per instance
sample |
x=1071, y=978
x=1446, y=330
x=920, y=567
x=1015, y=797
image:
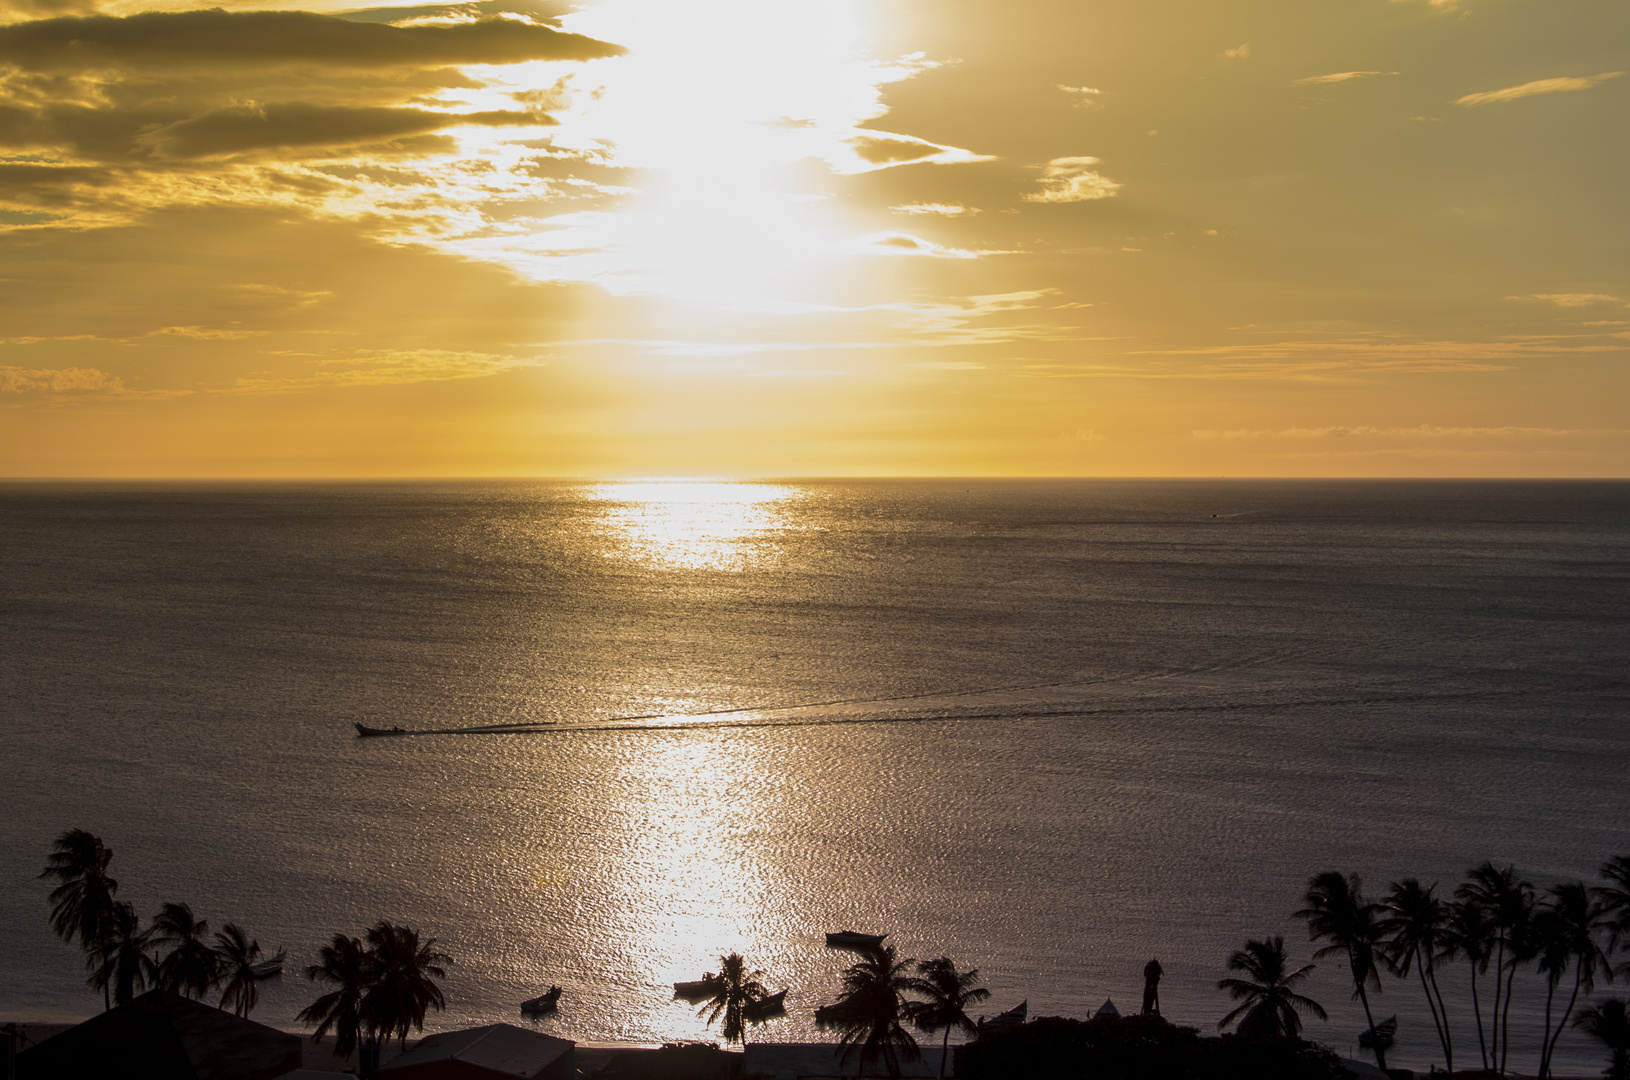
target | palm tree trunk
x=1436, y=1022
x=945, y=1050
x=1550, y=1051
x=1494, y=1014
x=1505, y=1018
x=1477, y=1011
x=1545, y=1039
x=1358, y=984
x=1443, y=1010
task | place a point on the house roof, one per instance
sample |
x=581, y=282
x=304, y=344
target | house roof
x=163, y=1036
x=503, y=1049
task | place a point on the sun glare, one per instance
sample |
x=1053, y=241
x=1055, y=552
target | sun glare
x=693, y=525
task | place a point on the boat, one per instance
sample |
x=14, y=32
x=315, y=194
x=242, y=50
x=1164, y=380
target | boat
x=1380, y=1036
x=544, y=1003
x=766, y=1008
x=828, y=1014
x=1014, y=1015
x=697, y=989
x=364, y=731
x=850, y=939
x=267, y=968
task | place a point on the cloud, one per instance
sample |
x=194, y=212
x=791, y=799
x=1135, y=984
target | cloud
x=1338, y=77
x=891, y=151
x=1426, y=431
x=16, y=380
x=1071, y=179
x=898, y=243
x=937, y=209
x=1085, y=96
x=1577, y=300
x=1537, y=87
x=244, y=128
x=237, y=40
x=385, y=367
x=1238, y=52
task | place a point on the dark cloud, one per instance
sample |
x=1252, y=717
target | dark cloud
x=243, y=129
x=888, y=151
x=215, y=39
x=53, y=186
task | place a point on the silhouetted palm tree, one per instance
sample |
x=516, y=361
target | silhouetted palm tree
x=868, y=1014
x=1337, y=911
x=1471, y=933
x=189, y=965
x=123, y=963
x=235, y=957
x=733, y=989
x=401, y=988
x=1509, y=904
x=1414, y=922
x=345, y=964
x=82, y=902
x=1614, y=901
x=1609, y=1024
x=1565, y=930
x=947, y=994
x=1269, y=1005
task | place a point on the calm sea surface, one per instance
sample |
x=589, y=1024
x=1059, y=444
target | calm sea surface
x=1050, y=729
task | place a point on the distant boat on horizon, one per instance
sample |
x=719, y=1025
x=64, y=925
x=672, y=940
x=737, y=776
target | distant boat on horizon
x=766, y=1007
x=696, y=989
x=364, y=731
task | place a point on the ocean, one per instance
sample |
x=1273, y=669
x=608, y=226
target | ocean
x=1050, y=729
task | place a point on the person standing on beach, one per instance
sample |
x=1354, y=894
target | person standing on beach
x=1152, y=971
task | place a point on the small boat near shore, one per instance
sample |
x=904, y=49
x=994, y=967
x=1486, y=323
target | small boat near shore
x=366, y=732
x=1013, y=1016
x=697, y=989
x=1381, y=1036
x=851, y=939
x=543, y=1003
x=267, y=968
x=766, y=1008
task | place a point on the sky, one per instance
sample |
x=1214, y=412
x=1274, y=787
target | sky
x=764, y=238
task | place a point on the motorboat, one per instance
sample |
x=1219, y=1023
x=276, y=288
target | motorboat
x=364, y=731
x=697, y=989
x=544, y=1003
x=1381, y=1036
x=766, y=1008
x=850, y=939
x=267, y=968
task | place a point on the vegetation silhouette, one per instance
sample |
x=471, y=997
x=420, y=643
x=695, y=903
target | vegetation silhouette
x=1414, y=923
x=1269, y=1004
x=733, y=989
x=946, y=994
x=1470, y=933
x=1508, y=903
x=344, y=964
x=82, y=903
x=123, y=961
x=401, y=987
x=236, y=954
x=190, y=966
x=1565, y=936
x=1607, y=1023
x=868, y=1014
x=1337, y=912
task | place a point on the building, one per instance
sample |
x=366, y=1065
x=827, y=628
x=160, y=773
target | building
x=497, y=1052
x=163, y=1036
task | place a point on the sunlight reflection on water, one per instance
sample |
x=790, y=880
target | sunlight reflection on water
x=694, y=525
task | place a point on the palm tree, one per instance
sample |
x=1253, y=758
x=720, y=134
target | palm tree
x=1268, y=1004
x=190, y=966
x=345, y=964
x=947, y=993
x=82, y=902
x=1509, y=903
x=1337, y=911
x=123, y=962
x=733, y=990
x=1608, y=1023
x=1471, y=933
x=1566, y=934
x=401, y=989
x=868, y=1014
x=1414, y=921
x=235, y=957
x=1614, y=902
